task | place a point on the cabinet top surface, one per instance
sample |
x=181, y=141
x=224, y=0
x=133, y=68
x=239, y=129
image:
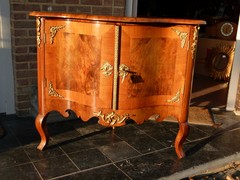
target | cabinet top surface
x=116, y=19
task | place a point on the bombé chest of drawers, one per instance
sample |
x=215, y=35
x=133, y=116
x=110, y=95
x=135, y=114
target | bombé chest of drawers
x=115, y=68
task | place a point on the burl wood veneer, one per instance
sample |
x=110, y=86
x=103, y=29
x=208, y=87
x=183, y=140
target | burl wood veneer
x=115, y=68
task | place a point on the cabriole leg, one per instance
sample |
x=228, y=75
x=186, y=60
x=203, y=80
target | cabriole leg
x=41, y=126
x=180, y=139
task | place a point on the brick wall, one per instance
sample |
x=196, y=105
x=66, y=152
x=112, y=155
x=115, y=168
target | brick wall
x=24, y=39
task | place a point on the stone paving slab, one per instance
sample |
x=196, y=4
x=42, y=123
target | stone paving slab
x=208, y=169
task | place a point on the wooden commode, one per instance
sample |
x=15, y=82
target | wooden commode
x=115, y=68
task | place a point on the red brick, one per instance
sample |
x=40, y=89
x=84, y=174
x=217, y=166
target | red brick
x=26, y=74
x=55, y=8
x=67, y=1
x=24, y=104
x=33, y=65
x=26, y=7
x=24, y=24
x=25, y=41
x=25, y=58
x=33, y=81
x=41, y=1
x=21, y=50
x=32, y=49
x=108, y=2
x=102, y=10
x=22, y=82
x=119, y=12
x=24, y=90
x=22, y=97
x=92, y=2
x=81, y=9
x=32, y=32
x=119, y=3
x=21, y=66
x=21, y=33
x=20, y=16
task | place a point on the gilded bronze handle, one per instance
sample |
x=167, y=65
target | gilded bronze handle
x=124, y=70
x=107, y=69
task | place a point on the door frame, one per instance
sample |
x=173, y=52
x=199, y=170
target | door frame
x=234, y=79
x=7, y=100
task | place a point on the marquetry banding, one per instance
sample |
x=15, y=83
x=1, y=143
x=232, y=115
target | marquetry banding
x=38, y=31
x=116, y=59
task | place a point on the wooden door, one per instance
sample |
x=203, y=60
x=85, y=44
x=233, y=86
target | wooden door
x=78, y=61
x=155, y=58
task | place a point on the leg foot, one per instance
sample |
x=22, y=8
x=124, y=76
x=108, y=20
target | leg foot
x=41, y=126
x=181, y=137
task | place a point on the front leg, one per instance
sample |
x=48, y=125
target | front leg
x=180, y=139
x=40, y=123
